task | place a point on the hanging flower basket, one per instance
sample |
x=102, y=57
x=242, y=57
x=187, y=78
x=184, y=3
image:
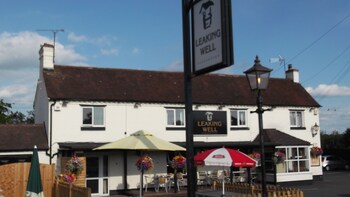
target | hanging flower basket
x=279, y=157
x=255, y=155
x=178, y=162
x=74, y=165
x=69, y=178
x=144, y=163
x=316, y=151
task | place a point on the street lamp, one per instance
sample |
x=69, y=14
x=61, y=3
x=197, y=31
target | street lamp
x=258, y=78
x=315, y=129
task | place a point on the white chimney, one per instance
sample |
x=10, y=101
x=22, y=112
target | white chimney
x=292, y=74
x=46, y=57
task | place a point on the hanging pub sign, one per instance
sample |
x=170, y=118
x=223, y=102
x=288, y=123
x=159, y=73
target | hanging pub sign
x=209, y=122
x=212, y=38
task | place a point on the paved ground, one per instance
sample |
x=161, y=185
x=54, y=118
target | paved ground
x=334, y=184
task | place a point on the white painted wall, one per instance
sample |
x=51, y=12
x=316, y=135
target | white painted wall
x=123, y=119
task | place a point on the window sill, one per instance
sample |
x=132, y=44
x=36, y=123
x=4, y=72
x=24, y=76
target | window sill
x=175, y=128
x=93, y=128
x=298, y=128
x=239, y=128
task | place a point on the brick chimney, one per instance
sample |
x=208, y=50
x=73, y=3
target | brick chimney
x=46, y=57
x=292, y=74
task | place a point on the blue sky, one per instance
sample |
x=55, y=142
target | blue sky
x=312, y=35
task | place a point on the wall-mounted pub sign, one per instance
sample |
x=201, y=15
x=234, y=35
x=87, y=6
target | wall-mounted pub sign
x=209, y=122
x=212, y=46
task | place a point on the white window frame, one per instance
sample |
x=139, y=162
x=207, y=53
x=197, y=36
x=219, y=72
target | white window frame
x=299, y=122
x=238, y=111
x=298, y=158
x=103, y=176
x=93, y=124
x=174, y=111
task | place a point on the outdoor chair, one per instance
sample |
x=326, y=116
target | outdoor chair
x=162, y=182
x=180, y=181
x=150, y=180
x=202, y=178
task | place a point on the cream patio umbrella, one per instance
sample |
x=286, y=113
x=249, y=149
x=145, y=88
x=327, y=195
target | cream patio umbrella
x=143, y=141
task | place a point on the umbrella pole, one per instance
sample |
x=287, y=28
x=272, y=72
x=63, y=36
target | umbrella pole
x=223, y=186
x=141, y=183
x=125, y=177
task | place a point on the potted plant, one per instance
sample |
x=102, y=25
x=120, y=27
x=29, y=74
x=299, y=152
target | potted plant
x=74, y=165
x=144, y=163
x=279, y=157
x=178, y=163
x=316, y=151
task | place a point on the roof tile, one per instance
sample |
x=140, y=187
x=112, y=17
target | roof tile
x=124, y=85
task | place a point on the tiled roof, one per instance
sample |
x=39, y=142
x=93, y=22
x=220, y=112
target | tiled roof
x=123, y=85
x=22, y=137
x=278, y=138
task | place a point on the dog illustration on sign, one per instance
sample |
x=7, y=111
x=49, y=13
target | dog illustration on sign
x=206, y=13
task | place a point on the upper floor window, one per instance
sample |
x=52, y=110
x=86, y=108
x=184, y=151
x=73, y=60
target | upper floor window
x=296, y=119
x=93, y=116
x=175, y=117
x=238, y=118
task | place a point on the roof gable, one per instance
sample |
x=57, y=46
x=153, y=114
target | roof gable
x=123, y=85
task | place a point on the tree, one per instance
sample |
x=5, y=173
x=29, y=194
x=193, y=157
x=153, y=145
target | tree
x=5, y=112
x=346, y=138
x=332, y=141
x=7, y=116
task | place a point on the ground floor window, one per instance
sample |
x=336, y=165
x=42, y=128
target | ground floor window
x=292, y=159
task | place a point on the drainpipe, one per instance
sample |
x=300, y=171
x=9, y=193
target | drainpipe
x=54, y=102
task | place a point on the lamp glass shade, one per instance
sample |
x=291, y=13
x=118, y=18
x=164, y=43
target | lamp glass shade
x=315, y=129
x=258, y=76
x=258, y=81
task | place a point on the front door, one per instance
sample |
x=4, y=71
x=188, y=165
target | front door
x=97, y=175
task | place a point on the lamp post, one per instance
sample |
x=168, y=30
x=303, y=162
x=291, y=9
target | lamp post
x=258, y=78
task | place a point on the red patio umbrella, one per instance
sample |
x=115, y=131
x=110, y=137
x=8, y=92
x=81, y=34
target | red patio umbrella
x=224, y=157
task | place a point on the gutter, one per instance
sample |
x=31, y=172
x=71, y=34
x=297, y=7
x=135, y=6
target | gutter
x=50, y=149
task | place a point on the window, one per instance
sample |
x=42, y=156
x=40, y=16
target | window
x=295, y=159
x=296, y=119
x=97, y=174
x=175, y=117
x=238, y=118
x=93, y=116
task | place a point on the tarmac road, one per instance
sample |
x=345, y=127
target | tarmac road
x=334, y=184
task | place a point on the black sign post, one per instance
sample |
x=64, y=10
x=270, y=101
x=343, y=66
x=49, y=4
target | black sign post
x=191, y=171
x=212, y=49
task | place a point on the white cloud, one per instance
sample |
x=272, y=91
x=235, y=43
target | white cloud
x=332, y=119
x=19, y=65
x=329, y=90
x=174, y=66
x=67, y=55
x=76, y=38
x=135, y=51
x=98, y=41
x=16, y=49
x=110, y=52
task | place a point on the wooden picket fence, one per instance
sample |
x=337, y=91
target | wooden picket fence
x=63, y=189
x=14, y=179
x=254, y=190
